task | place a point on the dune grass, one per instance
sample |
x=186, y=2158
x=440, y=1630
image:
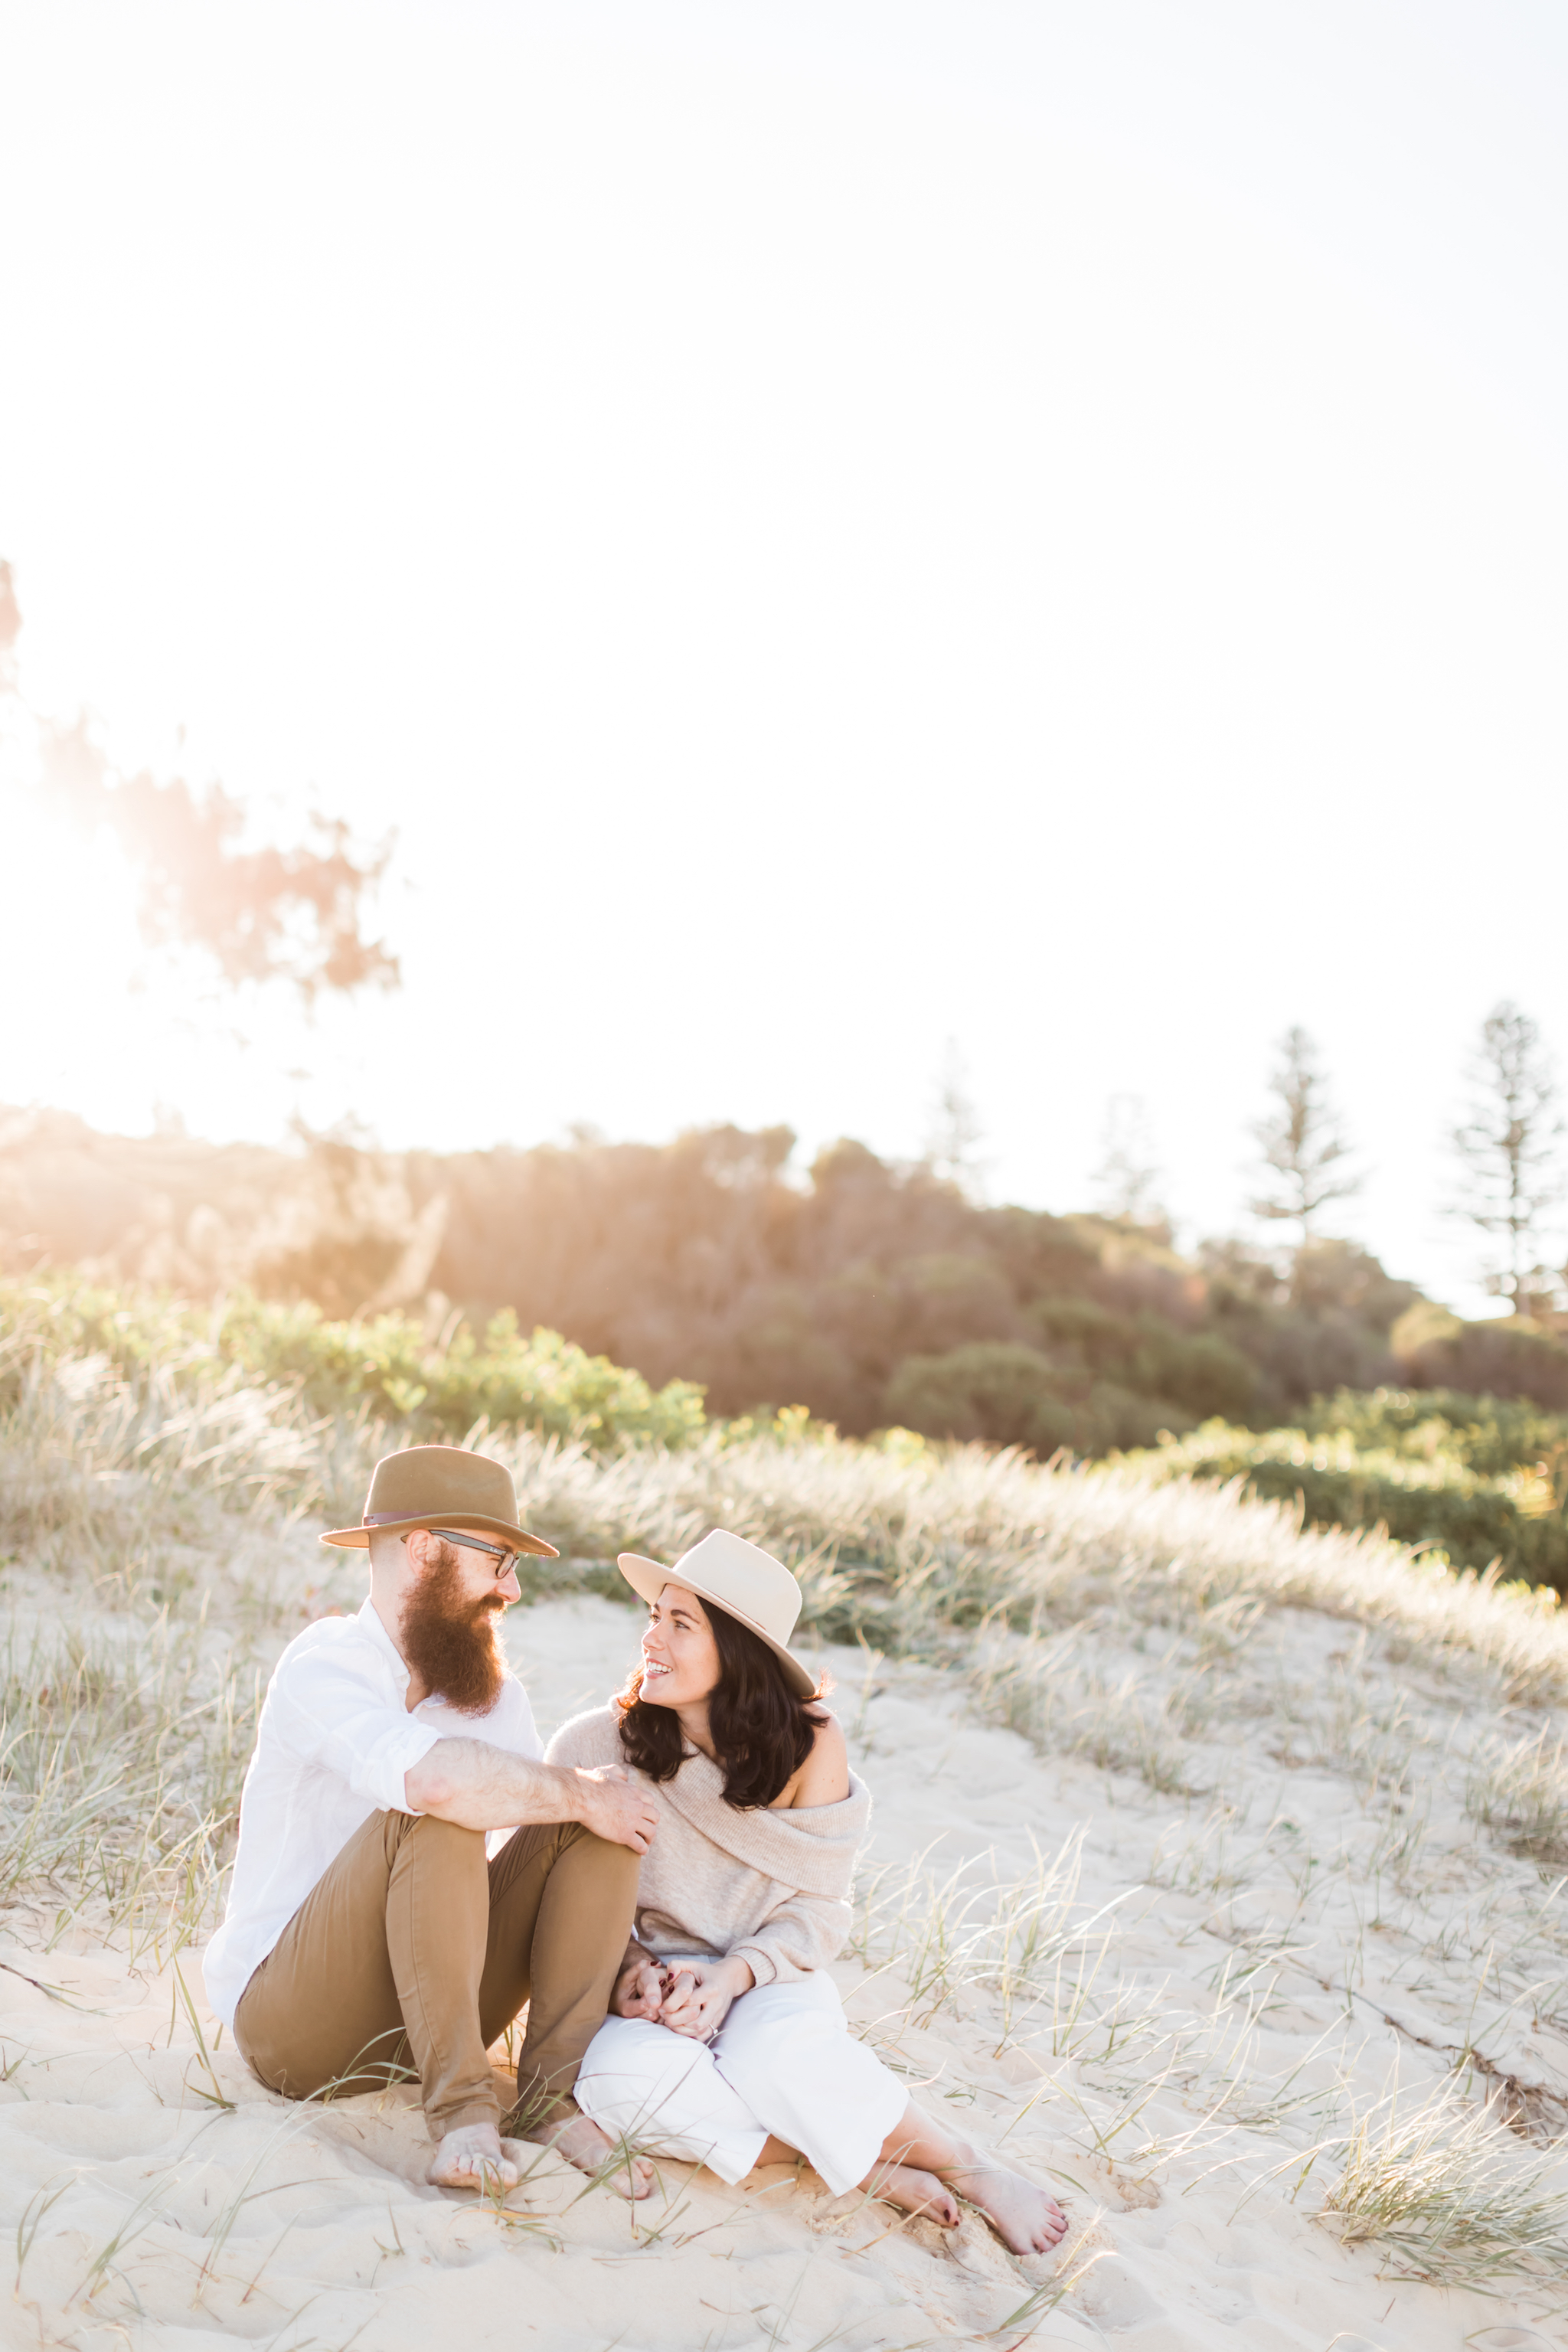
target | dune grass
x=121, y=1752
x=1520, y=1790
x=898, y=1540
x=146, y=1514
x=1443, y=2185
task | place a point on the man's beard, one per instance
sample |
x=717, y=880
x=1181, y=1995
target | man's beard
x=452, y=1644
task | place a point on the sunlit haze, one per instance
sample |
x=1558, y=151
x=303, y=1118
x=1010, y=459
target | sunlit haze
x=824, y=529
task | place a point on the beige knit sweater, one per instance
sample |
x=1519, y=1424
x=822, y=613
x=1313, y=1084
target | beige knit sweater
x=769, y=1886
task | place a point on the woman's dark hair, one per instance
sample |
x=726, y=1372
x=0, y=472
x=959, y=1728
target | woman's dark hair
x=762, y=1732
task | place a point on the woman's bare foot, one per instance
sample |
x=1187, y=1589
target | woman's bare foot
x=1022, y=2216
x=581, y=2142
x=906, y=2186
x=472, y=2157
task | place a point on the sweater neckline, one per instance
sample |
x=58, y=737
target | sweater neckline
x=808, y=1847
x=690, y=1754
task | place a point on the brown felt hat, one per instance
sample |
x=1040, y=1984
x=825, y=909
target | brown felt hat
x=441, y=1486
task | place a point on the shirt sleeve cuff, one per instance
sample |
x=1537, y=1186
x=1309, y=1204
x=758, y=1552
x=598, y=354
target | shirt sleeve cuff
x=380, y=1776
x=758, y=1959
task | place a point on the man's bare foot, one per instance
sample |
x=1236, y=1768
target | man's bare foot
x=581, y=2142
x=472, y=2157
x=905, y=2185
x=1022, y=2216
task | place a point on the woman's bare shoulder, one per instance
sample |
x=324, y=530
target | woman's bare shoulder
x=824, y=1777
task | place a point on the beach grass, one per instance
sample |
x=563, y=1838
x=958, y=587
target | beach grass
x=158, y=1530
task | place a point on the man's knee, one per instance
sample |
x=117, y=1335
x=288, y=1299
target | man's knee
x=427, y=1833
x=614, y=1862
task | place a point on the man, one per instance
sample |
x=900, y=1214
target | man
x=370, y=1932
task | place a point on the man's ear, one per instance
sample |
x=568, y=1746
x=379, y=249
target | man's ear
x=417, y=1543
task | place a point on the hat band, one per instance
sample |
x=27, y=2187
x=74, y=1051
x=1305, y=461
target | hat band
x=387, y=1519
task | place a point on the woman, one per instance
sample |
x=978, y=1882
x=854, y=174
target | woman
x=727, y=2043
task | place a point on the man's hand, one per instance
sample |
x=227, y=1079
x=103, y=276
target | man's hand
x=639, y=1988
x=700, y=1995
x=614, y=1809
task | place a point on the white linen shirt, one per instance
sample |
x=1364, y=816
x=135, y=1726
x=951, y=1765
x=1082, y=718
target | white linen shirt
x=335, y=1737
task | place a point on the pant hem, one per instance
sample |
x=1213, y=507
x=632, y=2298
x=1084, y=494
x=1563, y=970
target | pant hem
x=853, y=2179
x=477, y=2111
x=547, y=2107
x=732, y=2180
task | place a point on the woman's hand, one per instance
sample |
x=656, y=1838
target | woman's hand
x=639, y=1988
x=699, y=1994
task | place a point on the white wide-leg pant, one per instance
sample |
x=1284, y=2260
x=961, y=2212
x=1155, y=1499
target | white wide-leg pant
x=783, y=2062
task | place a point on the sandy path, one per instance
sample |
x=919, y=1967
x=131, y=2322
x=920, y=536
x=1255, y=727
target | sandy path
x=149, y=2213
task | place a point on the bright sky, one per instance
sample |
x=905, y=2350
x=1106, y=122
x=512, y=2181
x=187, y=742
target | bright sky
x=824, y=528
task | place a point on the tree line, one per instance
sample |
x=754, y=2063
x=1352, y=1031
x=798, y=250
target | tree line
x=1508, y=1177
x=871, y=1292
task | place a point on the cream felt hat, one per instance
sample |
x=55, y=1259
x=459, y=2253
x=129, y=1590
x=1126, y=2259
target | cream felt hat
x=441, y=1486
x=738, y=1577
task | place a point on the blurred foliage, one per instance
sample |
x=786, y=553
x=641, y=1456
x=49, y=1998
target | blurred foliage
x=867, y=1293
x=1479, y=1478
x=257, y=911
x=389, y=1366
x=1512, y=1356
x=989, y=1388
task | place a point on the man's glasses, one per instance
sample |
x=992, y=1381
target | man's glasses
x=473, y=1543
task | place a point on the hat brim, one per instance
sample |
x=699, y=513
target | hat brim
x=475, y=1523
x=649, y=1577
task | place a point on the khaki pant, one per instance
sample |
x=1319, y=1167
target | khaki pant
x=412, y=1954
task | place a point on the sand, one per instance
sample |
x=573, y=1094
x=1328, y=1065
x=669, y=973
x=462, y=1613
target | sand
x=1268, y=1950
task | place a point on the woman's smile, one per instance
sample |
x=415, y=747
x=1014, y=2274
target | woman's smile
x=679, y=1658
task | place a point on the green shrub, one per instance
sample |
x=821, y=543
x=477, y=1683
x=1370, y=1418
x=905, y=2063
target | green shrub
x=1113, y=1418
x=1391, y=1460
x=1204, y=1375
x=388, y=1366
x=991, y=1389
x=1509, y=1358
x=1081, y=1331
x=1488, y=1434
x=1190, y=1378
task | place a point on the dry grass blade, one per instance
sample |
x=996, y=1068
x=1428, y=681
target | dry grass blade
x=1125, y=1623
x=121, y=1752
x=1521, y=1792
x=1445, y=2185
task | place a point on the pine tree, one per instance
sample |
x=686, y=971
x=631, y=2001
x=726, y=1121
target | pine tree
x=1304, y=1146
x=1510, y=1151
x=1127, y=1178
x=954, y=1131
